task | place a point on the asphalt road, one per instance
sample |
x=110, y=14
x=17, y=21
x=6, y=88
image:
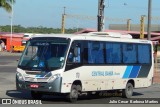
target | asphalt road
x=8, y=88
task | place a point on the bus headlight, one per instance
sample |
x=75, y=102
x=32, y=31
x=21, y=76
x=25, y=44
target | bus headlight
x=19, y=76
x=52, y=78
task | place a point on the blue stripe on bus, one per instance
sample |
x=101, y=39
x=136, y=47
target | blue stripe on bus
x=127, y=72
x=38, y=76
x=134, y=72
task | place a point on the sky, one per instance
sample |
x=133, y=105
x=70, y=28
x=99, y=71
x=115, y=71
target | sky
x=47, y=13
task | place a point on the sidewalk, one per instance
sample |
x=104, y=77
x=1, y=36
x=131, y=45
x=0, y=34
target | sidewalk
x=4, y=53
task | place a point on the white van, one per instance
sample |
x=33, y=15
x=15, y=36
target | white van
x=27, y=36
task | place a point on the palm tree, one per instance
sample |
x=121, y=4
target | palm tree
x=6, y=4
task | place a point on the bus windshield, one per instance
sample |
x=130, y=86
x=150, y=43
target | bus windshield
x=44, y=54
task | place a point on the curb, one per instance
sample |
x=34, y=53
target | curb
x=9, y=54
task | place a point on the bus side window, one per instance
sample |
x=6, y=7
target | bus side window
x=113, y=52
x=75, y=54
x=95, y=53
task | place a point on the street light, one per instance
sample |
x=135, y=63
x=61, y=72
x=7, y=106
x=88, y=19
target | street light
x=11, y=26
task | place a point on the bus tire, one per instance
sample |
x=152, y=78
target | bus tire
x=79, y=88
x=36, y=95
x=73, y=95
x=128, y=91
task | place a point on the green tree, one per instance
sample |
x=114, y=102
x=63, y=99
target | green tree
x=6, y=4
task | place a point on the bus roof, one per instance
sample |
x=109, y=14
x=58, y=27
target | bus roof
x=98, y=36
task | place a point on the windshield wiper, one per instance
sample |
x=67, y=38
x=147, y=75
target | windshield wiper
x=46, y=65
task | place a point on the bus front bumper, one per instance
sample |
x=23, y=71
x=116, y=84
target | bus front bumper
x=54, y=86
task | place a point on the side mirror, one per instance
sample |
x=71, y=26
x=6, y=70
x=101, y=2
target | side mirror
x=76, y=51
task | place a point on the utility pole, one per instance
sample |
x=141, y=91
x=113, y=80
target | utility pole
x=101, y=25
x=149, y=19
x=142, y=27
x=128, y=24
x=63, y=21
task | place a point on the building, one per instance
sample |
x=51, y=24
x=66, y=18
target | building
x=134, y=27
x=15, y=40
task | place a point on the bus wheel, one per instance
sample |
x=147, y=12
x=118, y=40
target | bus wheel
x=73, y=95
x=127, y=93
x=36, y=95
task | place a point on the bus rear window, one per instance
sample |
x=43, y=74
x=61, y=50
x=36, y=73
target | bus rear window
x=144, y=54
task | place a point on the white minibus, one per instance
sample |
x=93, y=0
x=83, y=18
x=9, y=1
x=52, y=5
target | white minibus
x=72, y=64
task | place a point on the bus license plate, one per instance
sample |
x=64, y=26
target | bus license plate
x=34, y=86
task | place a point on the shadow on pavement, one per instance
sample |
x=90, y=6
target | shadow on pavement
x=46, y=99
x=62, y=99
x=137, y=94
x=18, y=94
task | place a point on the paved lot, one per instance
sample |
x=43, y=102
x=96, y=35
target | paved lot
x=157, y=74
x=8, y=90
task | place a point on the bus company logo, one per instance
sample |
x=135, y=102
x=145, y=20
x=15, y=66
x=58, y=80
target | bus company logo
x=35, y=79
x=6, y=101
